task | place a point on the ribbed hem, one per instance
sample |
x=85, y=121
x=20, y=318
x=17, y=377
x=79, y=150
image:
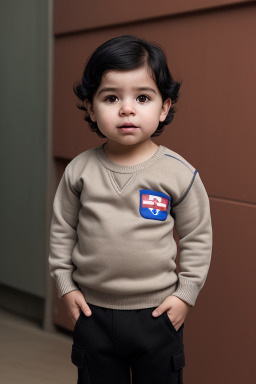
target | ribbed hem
x=128, y=168
x=65, y=284
x=137, y=301
x=187, y=291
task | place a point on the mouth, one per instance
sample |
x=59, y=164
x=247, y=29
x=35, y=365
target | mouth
x=128, y=125
x=127, y=129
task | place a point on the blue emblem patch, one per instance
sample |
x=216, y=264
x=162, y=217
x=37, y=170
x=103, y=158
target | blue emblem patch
x=154, y=205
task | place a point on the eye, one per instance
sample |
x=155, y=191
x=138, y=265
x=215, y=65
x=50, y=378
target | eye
x=111, y=98
x=143, y=98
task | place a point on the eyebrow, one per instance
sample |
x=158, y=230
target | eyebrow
x=133, y=88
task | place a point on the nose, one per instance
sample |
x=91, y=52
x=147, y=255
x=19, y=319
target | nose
x=127, y=108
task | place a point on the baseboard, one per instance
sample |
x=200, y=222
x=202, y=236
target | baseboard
x=21, y=303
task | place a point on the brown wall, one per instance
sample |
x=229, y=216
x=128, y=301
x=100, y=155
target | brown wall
x=211, y=47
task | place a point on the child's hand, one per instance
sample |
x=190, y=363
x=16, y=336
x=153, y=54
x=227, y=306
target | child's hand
x=75, y=301
x=176, y=308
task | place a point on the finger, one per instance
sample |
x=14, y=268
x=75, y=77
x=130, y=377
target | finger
x=86, y=309
x=165, y=306
x=159, y=310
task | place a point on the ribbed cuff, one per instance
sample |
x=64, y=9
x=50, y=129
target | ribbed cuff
x=65, y=284
x=128, y=301
x=187, y=291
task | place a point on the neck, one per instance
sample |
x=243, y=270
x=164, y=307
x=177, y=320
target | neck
x=130, y=154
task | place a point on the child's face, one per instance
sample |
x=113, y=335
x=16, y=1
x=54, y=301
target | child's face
x=128, y=97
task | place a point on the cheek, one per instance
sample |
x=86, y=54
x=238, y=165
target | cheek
x=102, y=114
x=152, y=115
x=105, y=119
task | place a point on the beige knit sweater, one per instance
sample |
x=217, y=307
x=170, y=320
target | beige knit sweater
x=112, y=230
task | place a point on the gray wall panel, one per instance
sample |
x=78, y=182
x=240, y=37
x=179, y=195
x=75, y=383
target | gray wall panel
x=23, y=120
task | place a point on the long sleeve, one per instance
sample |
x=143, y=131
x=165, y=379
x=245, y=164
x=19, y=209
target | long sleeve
x=63, y=235
x=194, y=229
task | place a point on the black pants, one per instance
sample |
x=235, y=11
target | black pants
x=110, y=341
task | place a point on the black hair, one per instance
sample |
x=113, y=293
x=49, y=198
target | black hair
x=124, y=53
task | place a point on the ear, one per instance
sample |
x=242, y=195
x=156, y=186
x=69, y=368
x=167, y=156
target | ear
x=165, y=109
x=89, y=107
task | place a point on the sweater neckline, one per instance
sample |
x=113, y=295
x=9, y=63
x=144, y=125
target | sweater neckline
x=112, y=166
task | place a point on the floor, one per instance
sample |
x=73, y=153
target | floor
x=29, y=355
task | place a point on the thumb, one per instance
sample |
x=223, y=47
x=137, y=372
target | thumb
x=85, y=308
x=159, y=310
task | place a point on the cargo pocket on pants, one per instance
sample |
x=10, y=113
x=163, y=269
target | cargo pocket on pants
x=178, y=363
x=78, y=358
